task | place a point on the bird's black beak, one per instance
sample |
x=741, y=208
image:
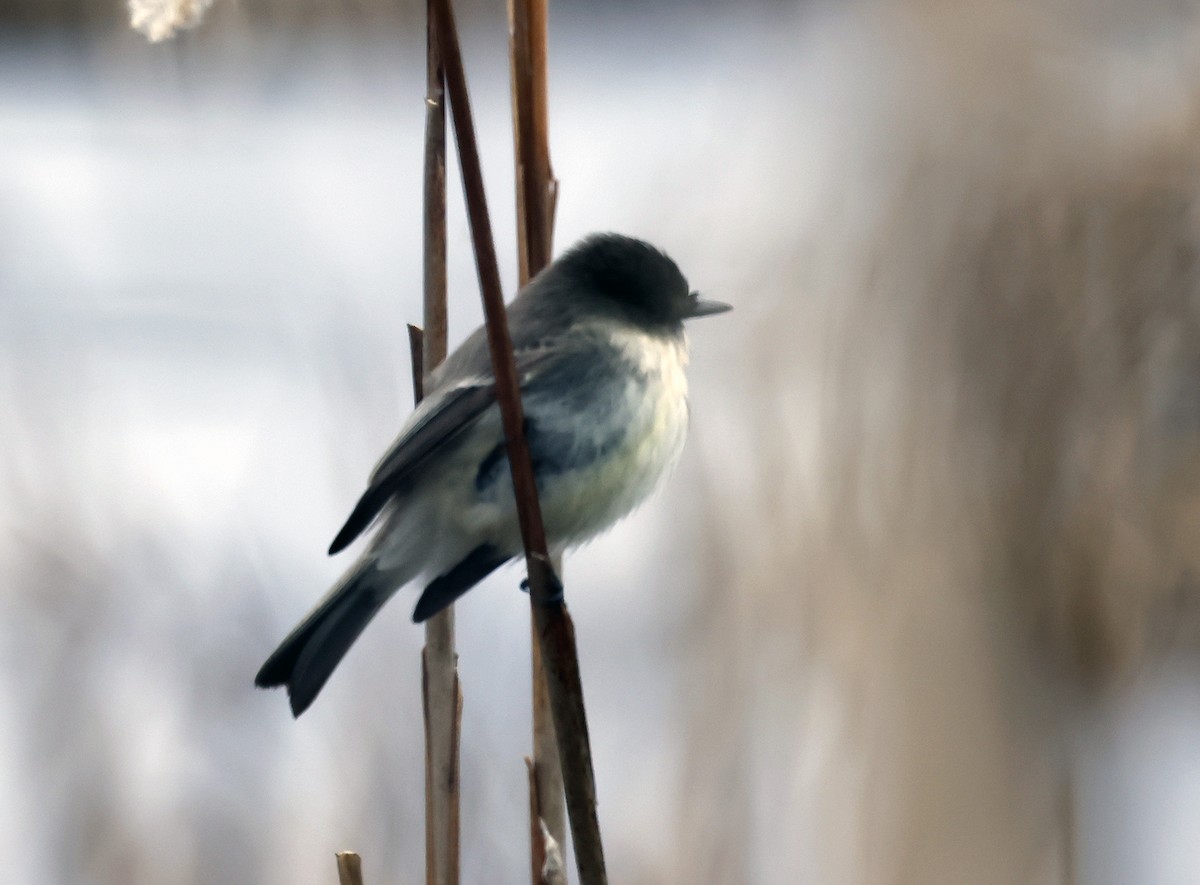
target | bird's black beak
x=702, y=307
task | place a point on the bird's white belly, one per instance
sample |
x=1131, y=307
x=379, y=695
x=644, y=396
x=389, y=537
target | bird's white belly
x=580, y=503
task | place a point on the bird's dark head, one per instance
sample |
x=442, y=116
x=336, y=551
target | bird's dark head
x=635, y=280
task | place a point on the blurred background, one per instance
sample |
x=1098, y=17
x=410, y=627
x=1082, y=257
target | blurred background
x=920, y=605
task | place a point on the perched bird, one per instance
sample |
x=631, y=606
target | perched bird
x=600, y=353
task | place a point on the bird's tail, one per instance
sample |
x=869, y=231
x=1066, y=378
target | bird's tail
x=306, y=658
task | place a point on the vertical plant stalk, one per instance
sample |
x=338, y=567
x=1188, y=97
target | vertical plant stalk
x=555, y=631
x=536, y=190
x=440, y=689
x=349, y=867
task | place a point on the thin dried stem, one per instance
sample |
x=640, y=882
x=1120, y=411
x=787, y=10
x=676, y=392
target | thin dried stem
x=435, y=202
x=416, y=354
x=349, y=867
x=518, y=69
x=547, y=791
x=527, y=20
x=554, y=628
x=556, y=635
x=441, y=691
x=554, y=871
x=537, y=847
x=537, y=187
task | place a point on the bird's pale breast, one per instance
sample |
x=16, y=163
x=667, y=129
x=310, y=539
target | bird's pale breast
x=650, y=409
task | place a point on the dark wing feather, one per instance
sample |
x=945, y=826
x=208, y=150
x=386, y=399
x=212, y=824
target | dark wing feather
x=439, y=419
x=448, y=416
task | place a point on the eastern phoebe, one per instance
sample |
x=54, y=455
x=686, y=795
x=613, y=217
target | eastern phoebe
x=600, y=350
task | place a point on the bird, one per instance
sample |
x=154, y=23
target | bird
x=600, y=350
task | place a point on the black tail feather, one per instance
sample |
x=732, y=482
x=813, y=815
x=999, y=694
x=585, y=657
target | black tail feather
x=308, y=656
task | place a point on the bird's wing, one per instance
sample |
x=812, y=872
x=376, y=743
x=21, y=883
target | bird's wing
x=439, y=420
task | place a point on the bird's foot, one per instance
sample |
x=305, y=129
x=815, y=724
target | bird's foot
x=554, y=587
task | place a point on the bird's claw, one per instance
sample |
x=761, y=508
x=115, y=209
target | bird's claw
x=554, y=588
